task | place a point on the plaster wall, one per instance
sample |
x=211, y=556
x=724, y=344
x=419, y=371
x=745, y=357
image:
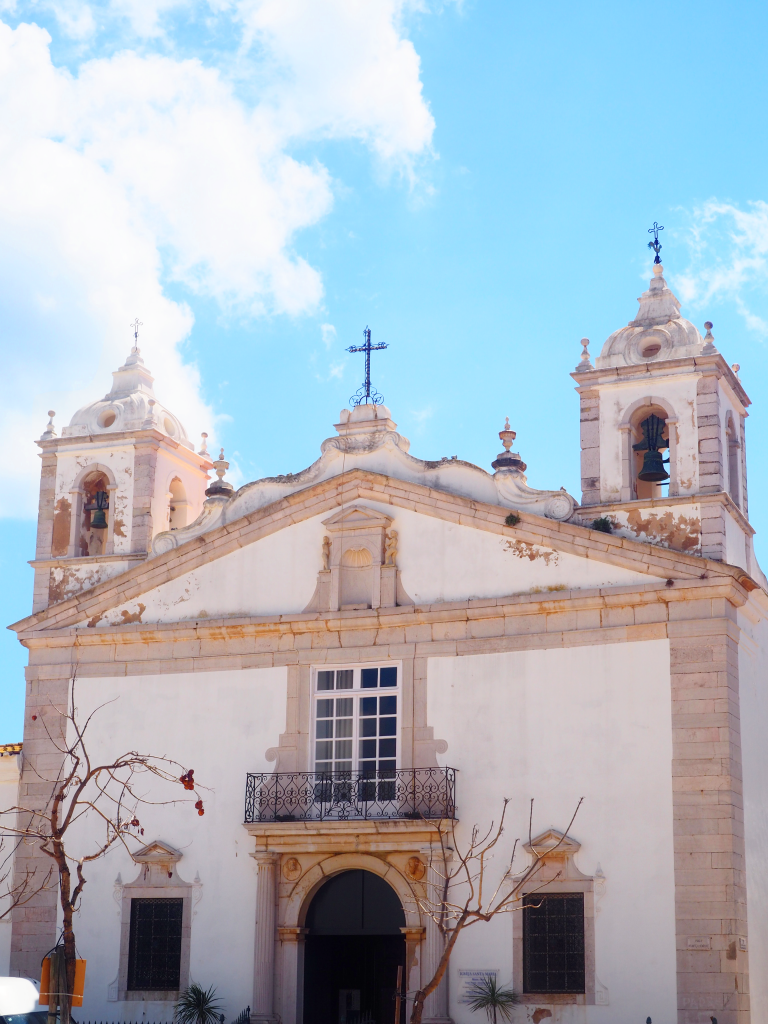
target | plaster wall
x=119, y=459
x=556, y=725
x=753, y=698
x=439, y=561
x=615, y=400
x=219, y=724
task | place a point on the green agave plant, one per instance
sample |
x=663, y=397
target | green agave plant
x=198, y=1006
x=486, y=994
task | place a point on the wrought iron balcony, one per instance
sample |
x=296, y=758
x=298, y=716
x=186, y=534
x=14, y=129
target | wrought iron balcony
x=419, y=793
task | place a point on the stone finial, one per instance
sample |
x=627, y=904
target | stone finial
x=584, y=363
x=709, y=340
x=658, y=269
x=736, y=369
x=149, y=422
x=220, y=486
x=204, y=447
x=507, y=435
x=50, y=432
x=508, y=459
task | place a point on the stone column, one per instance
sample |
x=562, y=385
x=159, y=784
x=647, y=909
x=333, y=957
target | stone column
x=292, y=986
x=263, y=1011
x=436, y=1004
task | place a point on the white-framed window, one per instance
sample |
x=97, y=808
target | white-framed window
x=356, y=719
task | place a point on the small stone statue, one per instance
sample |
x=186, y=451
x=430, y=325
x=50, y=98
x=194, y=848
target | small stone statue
x=326, y=552
x=390, y=548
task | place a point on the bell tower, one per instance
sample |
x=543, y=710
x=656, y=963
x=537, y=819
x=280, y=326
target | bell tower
x=663, y=435
x=123, y=471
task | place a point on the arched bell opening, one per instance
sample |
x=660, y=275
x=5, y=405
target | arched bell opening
x=734, y=458
x=94, y=515
x=178, y=505
x=354, y=945
x=650, y=452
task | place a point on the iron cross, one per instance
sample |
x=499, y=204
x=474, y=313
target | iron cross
x=136, y=325
x=655, y=244
x=364, y=395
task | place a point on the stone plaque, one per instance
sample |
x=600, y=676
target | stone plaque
x=699, y=942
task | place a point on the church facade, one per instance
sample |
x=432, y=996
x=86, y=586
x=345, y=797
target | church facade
x=491, y=641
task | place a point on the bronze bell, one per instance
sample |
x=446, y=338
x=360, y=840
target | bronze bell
x=98, y=518
x=653, y=468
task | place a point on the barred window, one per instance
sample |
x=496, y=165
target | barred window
x=553, y=942
x=154, y=951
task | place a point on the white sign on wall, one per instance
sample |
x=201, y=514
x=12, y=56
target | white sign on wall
x=467, y=977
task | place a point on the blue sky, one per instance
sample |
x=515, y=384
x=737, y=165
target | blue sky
x=257, y=180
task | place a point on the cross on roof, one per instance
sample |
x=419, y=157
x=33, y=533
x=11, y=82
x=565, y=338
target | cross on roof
x=364, y=395
x=655, y=244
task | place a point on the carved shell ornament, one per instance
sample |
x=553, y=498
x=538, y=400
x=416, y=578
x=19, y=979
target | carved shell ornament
x=356, y=558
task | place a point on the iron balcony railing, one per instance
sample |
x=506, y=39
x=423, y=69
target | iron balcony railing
x=350, y=796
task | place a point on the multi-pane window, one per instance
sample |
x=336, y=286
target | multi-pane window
x=356, y=715
x=553, y=942
x=154, y=948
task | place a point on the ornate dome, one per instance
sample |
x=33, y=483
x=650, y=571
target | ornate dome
x=658, y=332
x=130, y=405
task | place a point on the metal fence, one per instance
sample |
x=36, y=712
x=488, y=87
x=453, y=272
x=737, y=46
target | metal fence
x=419, y=793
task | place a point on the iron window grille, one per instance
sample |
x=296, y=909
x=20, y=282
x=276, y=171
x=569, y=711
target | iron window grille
x=154, y=949
x=553, y=942
x=345, y=796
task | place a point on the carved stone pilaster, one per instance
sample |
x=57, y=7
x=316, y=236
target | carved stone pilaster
x=264, y=951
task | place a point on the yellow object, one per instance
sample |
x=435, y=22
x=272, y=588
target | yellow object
x=45, y=983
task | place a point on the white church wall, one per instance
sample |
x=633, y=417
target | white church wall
x=753, y=698
x=439, y=561
x=556, y=725
x=220, y=724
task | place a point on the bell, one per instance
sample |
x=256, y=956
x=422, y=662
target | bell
x=653, y=468
x=99, y=519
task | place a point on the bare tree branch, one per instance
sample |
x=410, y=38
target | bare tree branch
x=458, y=900
x=109, y=792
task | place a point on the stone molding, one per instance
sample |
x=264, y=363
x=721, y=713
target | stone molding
x=158, y=878
x=566, y=537
x=558, y=873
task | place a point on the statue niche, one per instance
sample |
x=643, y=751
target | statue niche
x=359, y=563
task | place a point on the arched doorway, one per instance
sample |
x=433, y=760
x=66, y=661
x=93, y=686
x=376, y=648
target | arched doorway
x=353, y=949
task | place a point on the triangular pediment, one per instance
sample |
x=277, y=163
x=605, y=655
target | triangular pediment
x=553, y=844
x=532, y=547
x=357, y=517
x=157, y=852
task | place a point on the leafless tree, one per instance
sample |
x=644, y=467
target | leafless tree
x=463, y=895
x=110, y=792
x=16, y=892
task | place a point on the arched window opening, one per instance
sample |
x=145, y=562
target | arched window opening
x=94, y=518
x=651, y=444
x=733, y=460
x=178, y=505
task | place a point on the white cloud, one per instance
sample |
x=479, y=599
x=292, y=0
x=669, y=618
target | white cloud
x=728, y=259
x=328, y=332
x=139, y=170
